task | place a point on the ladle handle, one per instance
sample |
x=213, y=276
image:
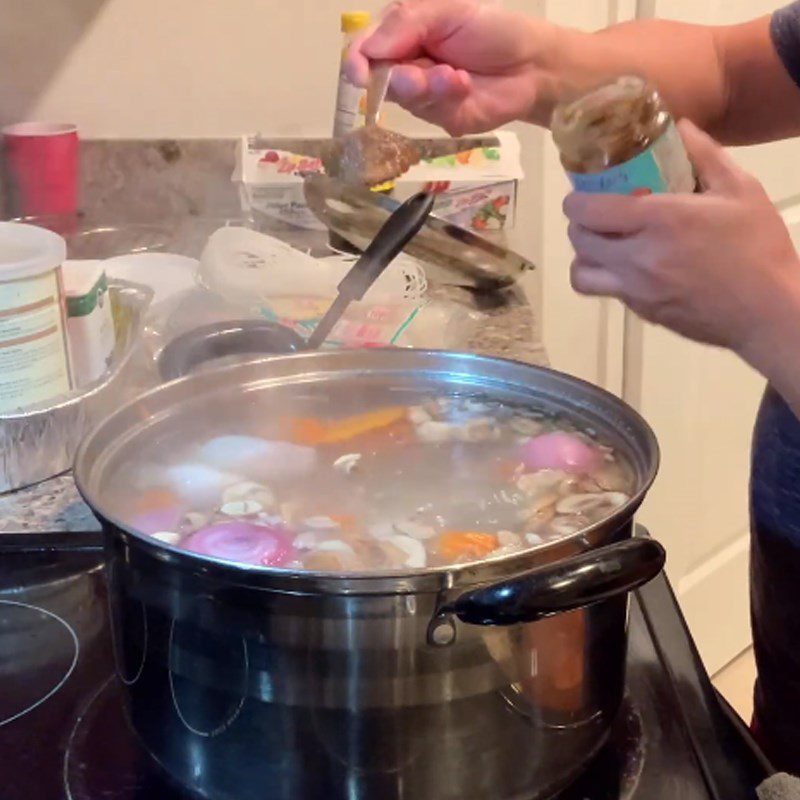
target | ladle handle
x=401, y=227
x=393, y=236
x=572, y=583
x=380, y=74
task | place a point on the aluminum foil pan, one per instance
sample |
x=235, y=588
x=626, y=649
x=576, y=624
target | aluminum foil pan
x=40, y=442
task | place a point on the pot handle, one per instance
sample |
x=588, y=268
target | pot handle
x=238, y=337
x=569, y=584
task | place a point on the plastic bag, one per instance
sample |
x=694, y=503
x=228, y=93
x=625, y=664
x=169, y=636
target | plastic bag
x=282, y=284
x=253, y=276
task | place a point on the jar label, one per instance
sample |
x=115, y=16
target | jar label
x=350, y=106
x=663, y=167
x=33, y=356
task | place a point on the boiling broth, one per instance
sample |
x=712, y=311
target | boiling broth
x=388, y=481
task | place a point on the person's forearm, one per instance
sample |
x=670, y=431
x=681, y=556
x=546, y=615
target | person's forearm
x=774, y=349
x=728, y=80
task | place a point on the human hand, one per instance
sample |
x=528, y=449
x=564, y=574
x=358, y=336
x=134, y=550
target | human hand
x=715, y=267
x=464, y=65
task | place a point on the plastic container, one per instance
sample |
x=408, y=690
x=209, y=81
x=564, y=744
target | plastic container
x=350, y=100
x=90, y=323
x=619, y=138
x=269, y=279
x=34, y=366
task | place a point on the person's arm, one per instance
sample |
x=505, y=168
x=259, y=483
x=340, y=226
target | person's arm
x=729, y=80
x=471, y=67
x=718, y=267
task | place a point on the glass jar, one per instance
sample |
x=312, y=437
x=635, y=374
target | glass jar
x=619, y=138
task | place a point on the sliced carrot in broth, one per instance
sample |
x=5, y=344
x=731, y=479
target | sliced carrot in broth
x=154, y=500
x=344, y=520
x=473, y=545
x=306, y=430
x=313, y=431
x=397, y=433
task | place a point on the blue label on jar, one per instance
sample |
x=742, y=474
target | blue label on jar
x=640, y=175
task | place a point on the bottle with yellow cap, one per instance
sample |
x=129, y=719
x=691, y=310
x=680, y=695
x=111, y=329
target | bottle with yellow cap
x=350, y=100
x=351, y=103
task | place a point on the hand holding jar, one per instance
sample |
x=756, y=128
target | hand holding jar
x=718, y=267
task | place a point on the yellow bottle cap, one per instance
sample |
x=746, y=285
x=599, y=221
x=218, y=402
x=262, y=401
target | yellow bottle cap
x=354, y=21
x=383, y=187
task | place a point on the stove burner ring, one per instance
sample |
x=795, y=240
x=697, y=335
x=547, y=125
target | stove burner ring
x=98, y=765
x=50, y=616
x=104, y=758
x=71, y=739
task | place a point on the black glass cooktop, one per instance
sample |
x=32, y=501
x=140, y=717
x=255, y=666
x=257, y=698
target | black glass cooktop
x=63, y=733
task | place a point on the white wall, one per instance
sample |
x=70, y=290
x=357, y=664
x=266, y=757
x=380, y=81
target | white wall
x=172, y=68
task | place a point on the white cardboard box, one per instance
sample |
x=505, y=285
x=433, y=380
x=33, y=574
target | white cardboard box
x=477, y=189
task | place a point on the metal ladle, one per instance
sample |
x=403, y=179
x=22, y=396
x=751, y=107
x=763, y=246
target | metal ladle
x=372, y=155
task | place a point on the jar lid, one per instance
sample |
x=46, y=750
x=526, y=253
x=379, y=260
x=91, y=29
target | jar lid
x=27, y=250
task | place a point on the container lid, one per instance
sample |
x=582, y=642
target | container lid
x=353, y=21
x=27, y=250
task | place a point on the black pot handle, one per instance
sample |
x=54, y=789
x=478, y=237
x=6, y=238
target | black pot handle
x=239, y=337
x=572, y=583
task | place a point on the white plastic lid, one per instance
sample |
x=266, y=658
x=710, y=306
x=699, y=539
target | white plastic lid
x=27, y=250
x=81, y=276
x=165, y=273
x=246, y=266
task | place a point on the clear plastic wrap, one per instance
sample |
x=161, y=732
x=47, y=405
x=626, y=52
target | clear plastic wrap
x=268, y=279
x=246, y=276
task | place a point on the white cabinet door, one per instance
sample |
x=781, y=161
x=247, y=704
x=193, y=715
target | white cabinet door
x=583, y=336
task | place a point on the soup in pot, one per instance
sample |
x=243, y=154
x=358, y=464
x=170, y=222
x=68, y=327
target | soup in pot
x=412, y=482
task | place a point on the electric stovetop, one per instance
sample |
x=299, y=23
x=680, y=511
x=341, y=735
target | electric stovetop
x=63, y=733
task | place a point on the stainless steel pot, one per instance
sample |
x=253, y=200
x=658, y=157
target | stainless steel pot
x=498, y=679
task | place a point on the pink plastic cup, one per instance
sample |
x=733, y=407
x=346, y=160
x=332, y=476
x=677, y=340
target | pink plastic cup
x=42, y=167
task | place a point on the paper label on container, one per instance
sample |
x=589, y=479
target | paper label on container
x=33, y=356
x=664, y=167
x=350, y=102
